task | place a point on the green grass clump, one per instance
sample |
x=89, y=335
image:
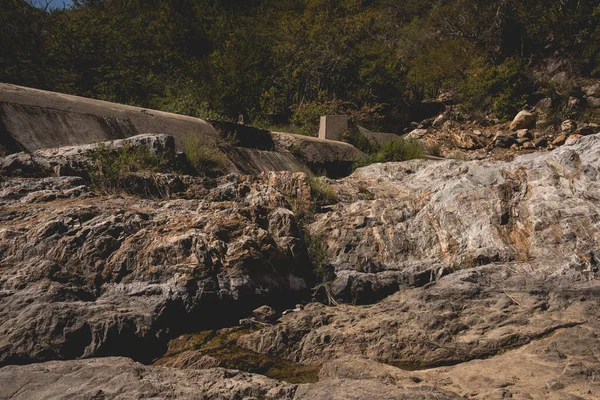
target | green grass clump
x=204, y=157
x=297, y=152
x=398, y=150
x=321, y=191
x=110, y=166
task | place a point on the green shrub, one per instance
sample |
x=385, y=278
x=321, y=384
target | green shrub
x=319, y=258
x=297, y=152
x=204, y=157
x=110, y=165
x=321, y=191
x=503, y=89
x=397, y=150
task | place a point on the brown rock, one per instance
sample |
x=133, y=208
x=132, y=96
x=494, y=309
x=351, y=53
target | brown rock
x=113, y=275
x=524, y=134
x=528, y=146
x=120, y=378
x=568, y=126
x=572, y=139
x=523, y=120
x=559, y=140
x=265, y=314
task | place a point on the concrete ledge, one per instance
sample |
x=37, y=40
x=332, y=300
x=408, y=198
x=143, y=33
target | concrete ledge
x=32, y=119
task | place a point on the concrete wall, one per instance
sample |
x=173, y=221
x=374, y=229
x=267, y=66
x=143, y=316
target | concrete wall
x=332, y=127
x=31, y=119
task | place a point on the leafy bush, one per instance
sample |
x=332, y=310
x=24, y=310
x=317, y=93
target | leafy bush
x=504, y=88
x=204, y=157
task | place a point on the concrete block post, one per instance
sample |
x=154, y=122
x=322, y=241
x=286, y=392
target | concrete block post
x=332, y=127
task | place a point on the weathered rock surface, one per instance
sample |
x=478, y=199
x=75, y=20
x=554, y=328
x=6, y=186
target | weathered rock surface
x=76, y=160
x=409, y=223
x=495, y=330
x=476, y=279
x=87, y=275
x=120, y=378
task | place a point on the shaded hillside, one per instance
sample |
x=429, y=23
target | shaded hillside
x=288, y=61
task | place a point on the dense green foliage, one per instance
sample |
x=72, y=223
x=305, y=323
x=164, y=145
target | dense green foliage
x=288, y=61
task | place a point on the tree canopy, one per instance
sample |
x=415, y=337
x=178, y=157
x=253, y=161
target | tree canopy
x=288, y=60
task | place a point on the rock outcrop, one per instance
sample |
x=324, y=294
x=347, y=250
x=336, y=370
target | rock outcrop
x=409, y=223
x=95, y=275
x=449, y=279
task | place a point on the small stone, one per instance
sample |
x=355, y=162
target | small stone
x=568, y=126
x=542, y=123
x=573, y=103
x=417, y=134
x=585, y=131
x=544, y=104
x=555, y=385
x=265, y=314
x=524, y=133
x=503, y=141
x=528, y=146
x=561, y=78
x=522, y=141
x=592, y=90
x=439, y=120
x=560, y=140
x=541, y=142
x=593, y=102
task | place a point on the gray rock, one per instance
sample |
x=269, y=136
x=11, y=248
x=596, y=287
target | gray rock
x=427, y=216
x=504, y=141
x=265, y=314
x=592, y=90
x=593, y=102
x=417, y=134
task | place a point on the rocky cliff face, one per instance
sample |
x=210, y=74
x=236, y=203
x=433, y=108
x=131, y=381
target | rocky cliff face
x=451, y=279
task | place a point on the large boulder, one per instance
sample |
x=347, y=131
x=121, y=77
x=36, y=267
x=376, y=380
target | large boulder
x=523, y=120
